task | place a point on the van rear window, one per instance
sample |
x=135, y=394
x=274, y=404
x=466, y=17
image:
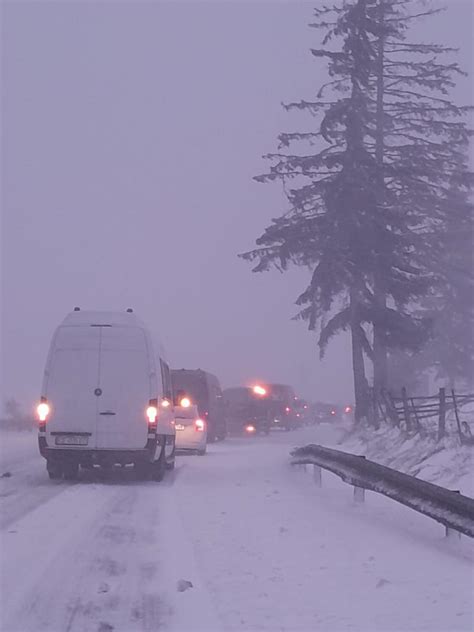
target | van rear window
x=123, y=339
x=76, y=338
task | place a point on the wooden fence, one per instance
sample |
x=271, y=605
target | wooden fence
x=439, y=415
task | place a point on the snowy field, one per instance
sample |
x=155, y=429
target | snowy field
x=263, y=548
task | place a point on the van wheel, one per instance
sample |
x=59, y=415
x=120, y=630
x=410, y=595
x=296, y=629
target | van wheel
x=55, y=471
x=141, y=470
x=158, y=468
x=202, y=452
x=171, y=459
x=71, y=471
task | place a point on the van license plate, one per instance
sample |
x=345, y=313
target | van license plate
x=179, y=427
x=71, y=440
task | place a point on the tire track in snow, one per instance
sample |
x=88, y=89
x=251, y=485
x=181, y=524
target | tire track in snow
x=79, y=561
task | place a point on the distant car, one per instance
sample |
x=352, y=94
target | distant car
x=282, y=405
x=191, y=430
x=246, y=411
x=326, y=413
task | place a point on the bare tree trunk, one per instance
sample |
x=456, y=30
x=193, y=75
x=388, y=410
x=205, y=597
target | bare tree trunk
x=358, y=368
x=380, y=348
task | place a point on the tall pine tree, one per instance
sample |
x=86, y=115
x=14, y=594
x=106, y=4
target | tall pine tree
x=363, y=206
x=420, y=143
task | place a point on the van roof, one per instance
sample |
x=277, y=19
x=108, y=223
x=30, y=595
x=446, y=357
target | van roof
x=86, y=318
x=91, y=317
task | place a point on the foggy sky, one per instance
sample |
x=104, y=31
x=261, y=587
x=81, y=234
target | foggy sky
x=131, y=132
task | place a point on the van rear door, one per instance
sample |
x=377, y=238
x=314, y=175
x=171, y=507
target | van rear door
x=125, y=381
x=71, y=382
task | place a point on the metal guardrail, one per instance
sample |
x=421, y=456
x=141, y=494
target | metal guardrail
x=450, y=508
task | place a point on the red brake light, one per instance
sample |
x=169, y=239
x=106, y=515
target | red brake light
x=185, y=402
x=199, y=425
x=348, y=409
x=43, y=411
x=287, y=409
x=250, y=428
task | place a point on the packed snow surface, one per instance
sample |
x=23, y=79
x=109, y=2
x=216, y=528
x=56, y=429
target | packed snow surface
x=235, y=540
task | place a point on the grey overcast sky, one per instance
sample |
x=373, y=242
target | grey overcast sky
x=131, y=132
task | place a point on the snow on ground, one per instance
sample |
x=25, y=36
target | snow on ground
x=445, y=463
x=262, y=546
x=16, y=447
x=280, y=554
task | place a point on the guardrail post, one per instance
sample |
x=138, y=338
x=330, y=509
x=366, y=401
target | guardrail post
x=359, y=494
x=317, y=476
x=450, y=532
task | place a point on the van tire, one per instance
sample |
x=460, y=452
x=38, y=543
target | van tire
x=142, y=470
x=55, y=471
x=170, y=463
x=70, y=471
x=158, y=468
x=202, y=452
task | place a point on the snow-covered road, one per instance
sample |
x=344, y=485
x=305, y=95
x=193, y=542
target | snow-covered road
x=263, y=548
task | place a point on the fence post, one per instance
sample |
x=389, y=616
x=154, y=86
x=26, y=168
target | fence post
x=442, y=414
x=406, y=410
x=456, y=413
x=417, y=421
x=392, y=408
x=318, y=479
x=381, y=402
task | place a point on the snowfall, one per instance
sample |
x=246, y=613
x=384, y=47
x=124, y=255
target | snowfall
x=237, y=540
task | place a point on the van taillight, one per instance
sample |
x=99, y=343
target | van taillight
x=43, y=411
x=199, y=425
x=152, y=414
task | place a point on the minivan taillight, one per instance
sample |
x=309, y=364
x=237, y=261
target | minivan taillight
x=43, y=411
x=152, y=414
x=199, y=425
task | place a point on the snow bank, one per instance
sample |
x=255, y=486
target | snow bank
x=445, y=462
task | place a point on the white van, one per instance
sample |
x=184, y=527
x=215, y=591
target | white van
x=106, y=397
